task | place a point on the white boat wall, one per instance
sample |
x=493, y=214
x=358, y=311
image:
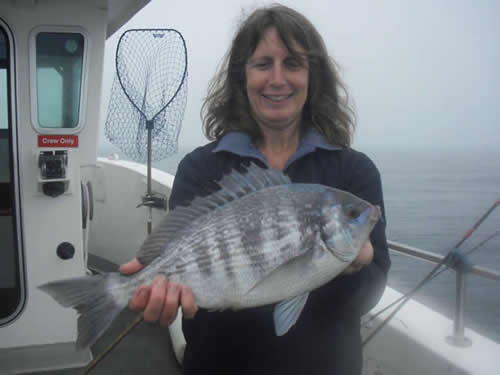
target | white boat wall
x=118, y=226
x=51, y=74
x=61, y=202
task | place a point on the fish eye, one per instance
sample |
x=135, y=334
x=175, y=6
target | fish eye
x=352, y=211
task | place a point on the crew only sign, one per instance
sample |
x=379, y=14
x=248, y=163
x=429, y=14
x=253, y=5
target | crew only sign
x=58, y=141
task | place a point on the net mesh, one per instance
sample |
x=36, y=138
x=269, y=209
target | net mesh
x=150, y=84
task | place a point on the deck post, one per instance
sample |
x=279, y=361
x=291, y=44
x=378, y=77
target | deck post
x=458, y=337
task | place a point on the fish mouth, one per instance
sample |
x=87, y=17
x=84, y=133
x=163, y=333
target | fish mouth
x=369, y=214
x=277, y=98
x=375, y=214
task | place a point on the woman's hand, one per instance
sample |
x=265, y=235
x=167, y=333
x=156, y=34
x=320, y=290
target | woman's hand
x=364, y=258
x=160, y=300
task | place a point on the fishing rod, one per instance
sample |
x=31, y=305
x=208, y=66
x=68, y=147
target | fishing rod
x=374, y=316
x=111, y=346
x=452, y=258
x=482, y=243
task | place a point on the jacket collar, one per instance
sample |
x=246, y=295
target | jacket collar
x=239, y=143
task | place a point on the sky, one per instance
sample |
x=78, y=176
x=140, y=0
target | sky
x=422, y=74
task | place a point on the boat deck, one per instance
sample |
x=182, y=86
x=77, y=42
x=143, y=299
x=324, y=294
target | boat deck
x=147, y=349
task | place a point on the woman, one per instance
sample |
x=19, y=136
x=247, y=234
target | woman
x=277, y=101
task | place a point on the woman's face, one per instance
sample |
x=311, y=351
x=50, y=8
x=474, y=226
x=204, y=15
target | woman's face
x=276, y=83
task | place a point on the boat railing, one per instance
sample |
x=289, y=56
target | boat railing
x=458, y=337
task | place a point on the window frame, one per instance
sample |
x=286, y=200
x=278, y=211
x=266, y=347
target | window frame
x=33, y=79
x=15, y=173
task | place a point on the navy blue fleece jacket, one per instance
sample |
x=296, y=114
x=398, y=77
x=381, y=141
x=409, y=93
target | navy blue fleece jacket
x=326, y=338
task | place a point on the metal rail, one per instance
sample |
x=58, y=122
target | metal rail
x=429, y=256
x=458, y=337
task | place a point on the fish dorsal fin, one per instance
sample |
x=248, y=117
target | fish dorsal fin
x=232, y=186
x=236, y=185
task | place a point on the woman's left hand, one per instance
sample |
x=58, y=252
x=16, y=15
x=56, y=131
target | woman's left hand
x=364, y=258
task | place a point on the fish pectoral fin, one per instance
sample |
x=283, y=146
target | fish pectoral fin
x=287, y=312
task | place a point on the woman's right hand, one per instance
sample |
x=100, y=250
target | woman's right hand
x=160, y=300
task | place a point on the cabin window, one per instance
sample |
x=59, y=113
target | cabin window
x=59, y=77
x=11, y=269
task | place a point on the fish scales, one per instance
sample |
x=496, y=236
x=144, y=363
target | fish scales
x=260, y=240
x=244, y=221
x=206, y=235
x=248, y=228
x=251, y=230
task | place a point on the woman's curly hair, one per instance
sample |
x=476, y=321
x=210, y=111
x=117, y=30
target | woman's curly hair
x=327, y=108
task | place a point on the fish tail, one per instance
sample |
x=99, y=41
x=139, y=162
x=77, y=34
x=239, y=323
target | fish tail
x=98, y=300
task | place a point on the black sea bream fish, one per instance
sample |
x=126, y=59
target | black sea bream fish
x=258, y=240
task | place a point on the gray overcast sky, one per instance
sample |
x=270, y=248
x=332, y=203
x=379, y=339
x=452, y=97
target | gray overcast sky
x=422, y=74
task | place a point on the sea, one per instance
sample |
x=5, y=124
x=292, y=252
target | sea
x=432, y=198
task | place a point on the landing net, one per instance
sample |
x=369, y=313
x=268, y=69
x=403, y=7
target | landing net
x=149, y=90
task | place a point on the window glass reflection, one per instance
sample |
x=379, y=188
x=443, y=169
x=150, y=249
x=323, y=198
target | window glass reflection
x=59, y=63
